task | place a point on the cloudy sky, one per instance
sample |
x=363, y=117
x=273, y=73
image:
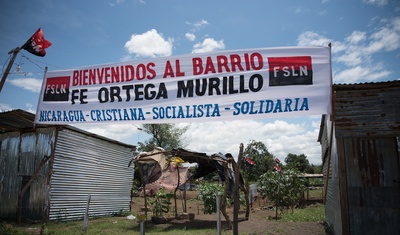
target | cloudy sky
x=365, y=37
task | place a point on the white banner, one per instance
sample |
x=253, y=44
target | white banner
x=225, y=85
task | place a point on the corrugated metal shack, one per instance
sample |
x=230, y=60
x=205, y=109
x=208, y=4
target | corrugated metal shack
x=60, y=167
x=361, y=153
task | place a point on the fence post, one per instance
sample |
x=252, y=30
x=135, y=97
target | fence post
x=218, y=215
x=85, y=218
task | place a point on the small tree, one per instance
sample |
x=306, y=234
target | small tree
x=166, y=136
x=263, y=160
x=298, y=162
x=285, y=188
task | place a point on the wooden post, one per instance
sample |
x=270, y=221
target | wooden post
x=10, y=64
x=177, y=186
x=184, y=198
x=145, y=200
x=223, y=203
x=217, y=198
x=277, y=199
x=245, y=189
x=86, y=216
x=236, y=193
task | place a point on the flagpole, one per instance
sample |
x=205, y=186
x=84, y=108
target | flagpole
x=10, y=64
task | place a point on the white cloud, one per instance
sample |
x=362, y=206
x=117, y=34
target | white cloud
x=358, y=73
x=126, y=58
x=190, y=36
x=278, y=127
x=30, y=108
x=303, y=143
x=279, y=136
x=208, y=45
x=149, y=44
x=356, y=37
x=30, y=84
x=358, y=51
x=119, y=132
x=310, y=38
x=200, y=24
x=379, y=3
x=5, y=107
x=298, y=10
x=196, y=26
x=117, y=2
x=386, y=38
x=351, y=58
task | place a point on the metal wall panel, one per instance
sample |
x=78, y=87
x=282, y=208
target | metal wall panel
x=83, y=166
x=44, y=143
x=332, y=203
x=10, y=183
x=373, y=176
x=20, y=156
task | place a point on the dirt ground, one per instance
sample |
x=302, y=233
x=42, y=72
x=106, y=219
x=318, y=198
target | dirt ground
x=261, y=219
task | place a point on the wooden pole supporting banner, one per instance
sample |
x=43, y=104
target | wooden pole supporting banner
x=9, y=66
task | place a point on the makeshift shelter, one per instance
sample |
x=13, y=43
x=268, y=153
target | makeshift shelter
x=157, y=171
x=51, y=172
x=361, y=159
x=155, y=168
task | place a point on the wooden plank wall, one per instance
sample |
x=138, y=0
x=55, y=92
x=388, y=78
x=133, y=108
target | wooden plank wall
x=367, y=110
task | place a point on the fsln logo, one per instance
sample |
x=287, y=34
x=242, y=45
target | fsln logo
x=57, y=89
x=295, y=70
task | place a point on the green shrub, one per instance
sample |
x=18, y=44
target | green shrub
x=285, y=188
x=6, y=229
x=161, y=202
x=207, y=194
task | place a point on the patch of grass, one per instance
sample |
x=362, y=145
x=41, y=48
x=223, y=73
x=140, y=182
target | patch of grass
x=106, y=225
x=312, y=213
x=121, y=225
x=314, y=194
x=6, y=229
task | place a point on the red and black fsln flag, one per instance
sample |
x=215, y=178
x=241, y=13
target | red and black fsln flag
x=37, y=44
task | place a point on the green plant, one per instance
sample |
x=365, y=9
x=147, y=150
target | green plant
x=207, y=194
x=285, y=188
x=161, y=203
x=124, y=213
x=242, y=199
x=6, y=229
